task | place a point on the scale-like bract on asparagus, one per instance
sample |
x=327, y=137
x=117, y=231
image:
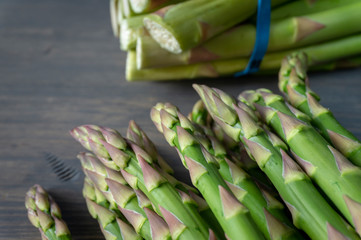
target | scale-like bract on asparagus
x=290, y=33
x=310, y=211
x=44, y=213
x=267, y=212
x=293, y=83
x=136, y=165
x=204, y=173
x=323, y=52
x=113, y=226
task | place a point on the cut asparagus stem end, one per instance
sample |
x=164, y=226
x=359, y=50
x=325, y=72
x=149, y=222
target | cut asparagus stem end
x=162, y=35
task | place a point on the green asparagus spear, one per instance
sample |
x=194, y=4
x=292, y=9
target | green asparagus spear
x=130, y=30
x=45, y=214
x=290, y=33
x=111, y=184
x=115, y=151
x=264, y=209
x=335, y=175
x=310, y=211
x=112, y=226
x=317, y=54
x=183, y=26
x=147, y=6
x=231, y=214
x=295, y=87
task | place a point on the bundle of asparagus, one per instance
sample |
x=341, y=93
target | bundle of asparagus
x=262, y=166
x=169, y=40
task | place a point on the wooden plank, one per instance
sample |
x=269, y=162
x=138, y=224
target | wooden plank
x=61, y=67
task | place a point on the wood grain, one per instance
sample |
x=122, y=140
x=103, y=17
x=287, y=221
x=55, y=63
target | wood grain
x=61, y=67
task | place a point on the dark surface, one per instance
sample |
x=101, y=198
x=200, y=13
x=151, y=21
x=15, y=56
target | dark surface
x=60, y=67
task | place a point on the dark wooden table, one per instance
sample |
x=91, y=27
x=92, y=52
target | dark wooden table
x=61, y=67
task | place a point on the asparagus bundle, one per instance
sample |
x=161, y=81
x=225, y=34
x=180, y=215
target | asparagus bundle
x=266, y=211
x=289, y=33
x=112, y=226
x=308, y=207
x=328, y=51
x=45, y=214
x=184, y=220
x=293, y=83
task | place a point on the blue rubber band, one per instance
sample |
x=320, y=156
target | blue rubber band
x=262, y=37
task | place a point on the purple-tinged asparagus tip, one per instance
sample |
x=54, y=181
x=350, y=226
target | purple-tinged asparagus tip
x=120, y=158
x=209, y=157
x=184, y=122
x=139, y=152
x=306, y=27
x=186, y=198
x=135, y=219
x=155, y=116
x=249, y=126
x=237, y=191
x=97, y=179
x=212, y=236
x=169, y=134
x=231, y=206
x=225, y=112
x=295, y=98
x=158, y=226
x=44, y=219
x=259, y=153
x=290, y=125
x=126, y=230
x=176, y=227
x=343, y=143
x=185, y=139
x=152, y=178
x=266, y=113
x=113, y=137
x=167, y=119
x=121, y=193
x=343, y=164
x=275, y=227
x=61, y=227
x=315, y=108
x=334, y=234
x=238, y=175
x=307, y=166
x=355, y=211
x=143, y=200
x=130, y=179
x=196, y=170
x=269, y=97
x=291, y=171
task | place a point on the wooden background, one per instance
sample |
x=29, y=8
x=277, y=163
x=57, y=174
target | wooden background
x=61, y=67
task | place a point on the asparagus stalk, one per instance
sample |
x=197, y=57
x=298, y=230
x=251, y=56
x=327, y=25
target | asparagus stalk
x=111, y=148
x=111, y=184
x=317, y=54
x=335, y=175
x=310, y=211
x=183, y=26
x=113, y=227
x=297, y=91
x=285, y=34
x=301, y=7
x=114, y=17
x=264, y=209
x=235, y=150
x=137, y=135
x=131, y=29
x=45, y=214
x=147, y=6
x=233, y=216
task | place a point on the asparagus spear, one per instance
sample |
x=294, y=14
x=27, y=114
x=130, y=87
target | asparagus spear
x=317, y=54
x=113, y=227
x=109, y=146
x=231, y=214
x=301, y=7
x=183, y=26
x=310, y=211
x=264, y=209
x=45, y=214
x=147, y=6
x=285, y=34
x=295, y=87
x=111, y=184
x=336, y=176
x=137, y=135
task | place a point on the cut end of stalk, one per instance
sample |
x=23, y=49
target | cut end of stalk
x=139, y=6
x=162, y=35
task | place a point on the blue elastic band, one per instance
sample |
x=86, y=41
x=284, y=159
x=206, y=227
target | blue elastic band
x=262, y=36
